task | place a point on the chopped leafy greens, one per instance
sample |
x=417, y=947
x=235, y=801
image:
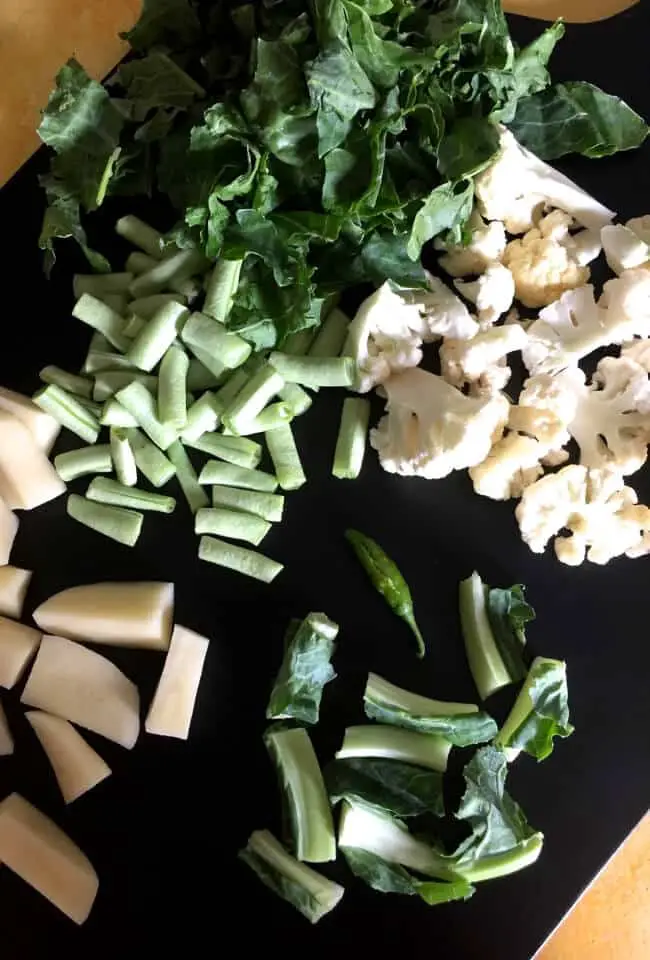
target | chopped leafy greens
x=388, y=877
x=400, y=789
x=305, y=670
x=322, y=143
x=540, y=712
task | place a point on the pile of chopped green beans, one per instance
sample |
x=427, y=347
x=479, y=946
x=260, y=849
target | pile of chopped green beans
x=162, y=374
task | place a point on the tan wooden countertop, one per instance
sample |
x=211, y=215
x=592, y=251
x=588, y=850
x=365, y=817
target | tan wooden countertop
x=612, y=920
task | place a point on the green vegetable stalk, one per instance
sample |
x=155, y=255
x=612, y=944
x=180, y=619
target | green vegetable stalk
x=387, y=580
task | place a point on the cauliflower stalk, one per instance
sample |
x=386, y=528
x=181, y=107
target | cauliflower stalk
x=431, y=428
x=624, y=250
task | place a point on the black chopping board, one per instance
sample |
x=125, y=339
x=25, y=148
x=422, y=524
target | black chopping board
x=164, y=829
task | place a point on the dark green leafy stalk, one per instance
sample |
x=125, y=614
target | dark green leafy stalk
x=305, y=670
x=388, y=877
x=508, y=614
x=529, y=71
x=388, y=786
x=540, y=712
x=462, y=730
x=387, y=580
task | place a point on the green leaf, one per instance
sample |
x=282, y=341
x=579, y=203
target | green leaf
x=577, y=118
x=62, y=220
x=339, y=90
x=446, y=208
x=169, y=23
x=156, y=81
x=305, y=670
x=529, y=71
x=82, y=124
x=388, y=786
x=467, y=148
x=540, y=712
x=508, y=613
x=388, y=877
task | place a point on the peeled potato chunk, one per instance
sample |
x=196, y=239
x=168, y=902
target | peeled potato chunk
x=170, y=713
x=76, y=766
x=41, y=425
x=8, y=531
x=13, y=590
x=27, y=478
x=46, y=858
x=18, y=644
x=6, y=739
x=120, y=614
x=85, y=688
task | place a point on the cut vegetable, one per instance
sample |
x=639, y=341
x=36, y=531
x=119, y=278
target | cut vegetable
x=85, y=688
x=238, y=450
x=145, y=307
x=248, y=562
x=124, y=526
x=157, y=336
x=122, y=457
x=285, y=457
x=539, y=714
x=137, y=400
x=77, y=767
x=170, y=713
x=18, y=644
x=114, y=415
x=331, y=336
x=69, y=412
x=213, y=338
x=232, y=524
x=108, y=382
x=72, y=382
x=100, y=284
x=102, y=318
x=199, y=377
x=169, y=272
x=8, y=531
x=388, y=787
x=229, y=475
x=79, y=463
x=43, y=427
x=200, y=418
x=151, y=462
x=314, y=371
x=13, y=590
x=353, y=435
x=106, y=490
x=423, y=750
x=221, y=289
x=297, y=399
x=269, y=506
x=308, y=806
x=141, y=235
x=305, y=670
x=274, y=416
x=252, y=398
x=27, y=478
x=46, y=858
x=305, y=889
x=172, y=388
x=485, y=661
x=139, y=262
x=6, y=737
x=119, y=614
x=194, y=493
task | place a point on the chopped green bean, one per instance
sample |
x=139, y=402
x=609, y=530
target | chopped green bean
x=123, y=458
x=213, y=364
x=268, y=506
x=139, y=262
x=201, y=418
x=172, y=270
x=105, y=490
x=117, y=523
x=151, y=462
x=314, y=371
x=285, y=457
x=68, y=411
x=116, y=301
x=274, y=416
x=140, y=234
x=99, y=361
x=252, y=398
x=333, y=333
x=102, y=318
x=238, y=450
x=296, y=398
x=172, y=388
x=72, y=382
x=145, y=307
x=351, y=441
x=141, y=405
x=227, y=393
x=194, y=493
x=229, y=475
x=222, y=288
x=114, y=415
x=94, y=408
x=213, y=338
x=152, y=343
x=298, y=344
x=108, y=382
x=133, y=327
x=199, y=377
x=99, y=284
x=79, y=463
x=231, y=524
x=239, y=559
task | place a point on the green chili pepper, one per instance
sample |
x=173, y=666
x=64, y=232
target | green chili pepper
x=387, y=580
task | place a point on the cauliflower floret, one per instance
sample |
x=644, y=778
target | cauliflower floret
x=480, y=361
x=624, y=250
x=542, y=268
x=595, y=506
x=487, y=243
x=440, y=313
x=492, y=293
x=583, y=246
x=575, y=325
x=640, y=226
x=518, y=185
x=431, y=429
x=639, y=351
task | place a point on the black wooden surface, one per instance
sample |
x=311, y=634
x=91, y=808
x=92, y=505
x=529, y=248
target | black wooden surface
x=164, y=829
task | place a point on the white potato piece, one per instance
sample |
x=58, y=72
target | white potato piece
x=46, y=858
x=170, y=713
x=13, y=589
x=18, y=644
x=85, y=688
x=77, y=767
x=27, y=478
x=41, y=425
x=8, y=531
x=6, y=739
x=120, y=614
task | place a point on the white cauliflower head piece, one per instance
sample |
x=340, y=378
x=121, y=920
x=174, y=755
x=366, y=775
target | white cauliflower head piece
x=624, y=250
x=481, y=361
x=640, y=226
x=486, y=245
x=542, y=262
x=431, y=429
x=517, y=185
x=492, y=293
x=566, y=331
x=439, y=312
